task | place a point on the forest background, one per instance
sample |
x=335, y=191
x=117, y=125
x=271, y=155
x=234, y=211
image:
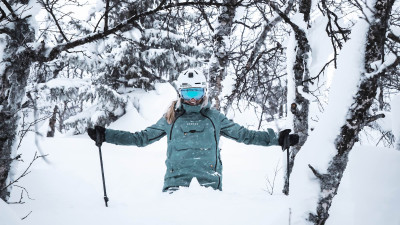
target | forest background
x=330, y=64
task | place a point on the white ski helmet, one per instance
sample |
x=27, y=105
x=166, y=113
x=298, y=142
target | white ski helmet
x=191, y=78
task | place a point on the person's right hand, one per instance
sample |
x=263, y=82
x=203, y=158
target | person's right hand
x=98, y=134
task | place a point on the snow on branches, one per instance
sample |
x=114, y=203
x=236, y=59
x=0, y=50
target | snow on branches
x=99, y=104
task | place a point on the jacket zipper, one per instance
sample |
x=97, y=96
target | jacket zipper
x=172, y=127
x=216, y=148
x=156, y=137
x=233, y=138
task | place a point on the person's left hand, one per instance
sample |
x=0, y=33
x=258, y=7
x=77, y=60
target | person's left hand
x=293, y=138
x=101, y=131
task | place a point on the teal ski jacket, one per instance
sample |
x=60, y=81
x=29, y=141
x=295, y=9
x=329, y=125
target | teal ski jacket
x=193, y=141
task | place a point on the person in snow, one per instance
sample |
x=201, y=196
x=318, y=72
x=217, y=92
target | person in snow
x=193, y=131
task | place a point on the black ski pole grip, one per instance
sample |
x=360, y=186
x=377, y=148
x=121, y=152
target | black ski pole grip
x=286, y=141
x=98, y=141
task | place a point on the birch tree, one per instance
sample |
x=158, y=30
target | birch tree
x=220, y=58
x=299, y=72
x=14, y=74
x=328, y=172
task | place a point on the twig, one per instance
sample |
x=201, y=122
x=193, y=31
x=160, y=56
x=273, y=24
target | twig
x=204, y=15
x=393, y=37
x=317, y=76
x=10, y=9
x=106, y=15
x=26, y=172
x=373, y=118
x=271, y=185
x=26, y=215
x=49, y=9
x=316, y=173
x=22, y=196
x=3, y=14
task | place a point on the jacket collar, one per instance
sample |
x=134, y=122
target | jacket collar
x=194, y=108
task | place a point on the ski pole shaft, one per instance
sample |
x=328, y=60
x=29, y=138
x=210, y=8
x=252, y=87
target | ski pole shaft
x=286, y=146
x=102, y=175
x=287, y=170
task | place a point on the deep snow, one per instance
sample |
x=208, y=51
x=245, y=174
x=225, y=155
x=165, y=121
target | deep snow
x=69, y=190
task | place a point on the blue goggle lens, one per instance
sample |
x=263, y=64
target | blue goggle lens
x=189, y=93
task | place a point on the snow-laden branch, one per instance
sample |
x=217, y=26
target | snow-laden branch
x=373, y=118
x=102, y=104
x=390, y=62
x=394, y=37
x=53, y=53
x=316, y=173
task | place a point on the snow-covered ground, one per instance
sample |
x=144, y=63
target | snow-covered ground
x=69, y=190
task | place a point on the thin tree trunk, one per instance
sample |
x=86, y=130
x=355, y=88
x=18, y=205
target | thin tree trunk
x=357, y=115
x=217, y=69
x=52, y=123
x=61, y=116
x=300, y=106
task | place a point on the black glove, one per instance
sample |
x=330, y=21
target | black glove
x=98, y=134
x=293, y=138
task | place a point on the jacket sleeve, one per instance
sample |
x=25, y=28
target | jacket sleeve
x=141, y=138
x=240, y=134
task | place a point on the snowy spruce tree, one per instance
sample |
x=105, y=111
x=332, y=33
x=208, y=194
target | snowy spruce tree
x=153, y=50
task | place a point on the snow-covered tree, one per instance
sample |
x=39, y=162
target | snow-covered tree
x=347, y=116
x=17, y=36
x=298, y=79
x=221, y=50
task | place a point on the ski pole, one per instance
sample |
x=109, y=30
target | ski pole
x=98, y=144
x=286, y=146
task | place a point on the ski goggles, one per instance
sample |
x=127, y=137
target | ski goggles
x=189, y=93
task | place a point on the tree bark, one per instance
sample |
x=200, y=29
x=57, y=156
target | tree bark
x=300, y=106
x=357, y=115
x=52, y=122
x=305, y=9
x=13, y=82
